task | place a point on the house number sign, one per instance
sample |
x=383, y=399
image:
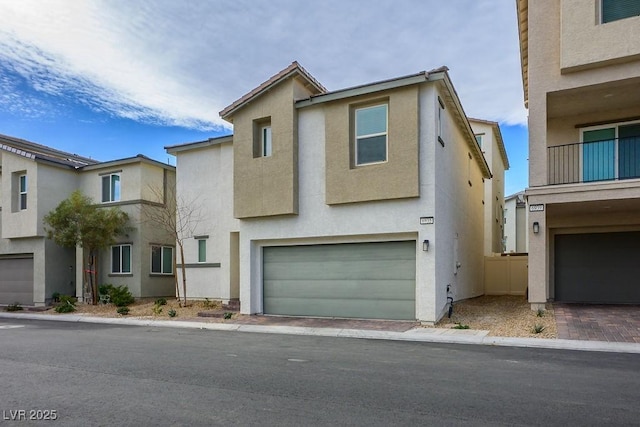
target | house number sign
x=536, y=208
x=426, y=220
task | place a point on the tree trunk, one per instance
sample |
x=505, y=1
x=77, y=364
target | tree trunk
x=184, y=274
x=95, y=279
x=175, y=278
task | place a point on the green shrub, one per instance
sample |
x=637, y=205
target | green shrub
x=55, y=297
x=228, y=315
x=123, y=310
x=14, y=307
x=540, y=313
x=120, y=296
x=460, y=326
x=67, y=304
x=157, y=309
x=538, y=329
x=172, y=313
x=161, y=301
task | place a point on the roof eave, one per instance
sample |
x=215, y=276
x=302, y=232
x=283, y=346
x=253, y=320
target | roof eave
x=173, y=149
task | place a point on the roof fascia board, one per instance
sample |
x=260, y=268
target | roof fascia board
x=127, y=161
x=173, y=149
x=464, y=121
x=362, y=90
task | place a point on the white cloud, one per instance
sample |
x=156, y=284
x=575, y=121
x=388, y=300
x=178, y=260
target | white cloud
x=181, y=62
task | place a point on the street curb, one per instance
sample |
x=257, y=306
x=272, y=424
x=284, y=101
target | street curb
x=411, y=335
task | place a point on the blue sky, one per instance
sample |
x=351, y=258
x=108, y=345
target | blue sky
x=115, y=78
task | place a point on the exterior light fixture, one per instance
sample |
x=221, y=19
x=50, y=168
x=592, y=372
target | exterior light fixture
x=536, y=227
x=425, y=246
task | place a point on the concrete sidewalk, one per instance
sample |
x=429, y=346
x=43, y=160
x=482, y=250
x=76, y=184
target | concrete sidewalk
x=417, y=334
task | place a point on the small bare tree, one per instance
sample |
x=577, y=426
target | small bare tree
x=179, y=217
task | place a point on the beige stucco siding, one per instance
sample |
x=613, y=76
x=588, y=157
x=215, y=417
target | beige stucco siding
x=266, y=186
x=585, y=42
x=394, y=179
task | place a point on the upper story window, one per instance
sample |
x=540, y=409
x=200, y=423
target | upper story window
x=111, y=187
x=161, y=259
x=22, y=192
x=479, y=140
x=614, y=10
x=371, y=134
x=262, y=142
x=440, y=121
x=121, y=259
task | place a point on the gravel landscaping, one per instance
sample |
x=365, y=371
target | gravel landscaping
x=502, y=316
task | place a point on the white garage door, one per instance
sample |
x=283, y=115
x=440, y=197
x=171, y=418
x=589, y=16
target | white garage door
x=358, y=280
x=16, y=280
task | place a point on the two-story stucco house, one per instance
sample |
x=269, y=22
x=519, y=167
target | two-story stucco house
x=34, y=180
x=489, y=139
x=516, y=230
x=366, y=202
x=581, y=74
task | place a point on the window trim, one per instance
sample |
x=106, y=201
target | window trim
x=121, y=245
x=111, y=196
x=357, y=137
x=22, y=192
x=162, y=248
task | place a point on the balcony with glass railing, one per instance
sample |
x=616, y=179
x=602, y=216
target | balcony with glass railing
x=601, y=160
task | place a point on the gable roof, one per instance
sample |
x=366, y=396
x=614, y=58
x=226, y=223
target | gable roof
x=173, y=149
x=38, y=152
x=292, y=70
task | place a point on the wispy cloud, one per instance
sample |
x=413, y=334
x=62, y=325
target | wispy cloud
x=179, y=63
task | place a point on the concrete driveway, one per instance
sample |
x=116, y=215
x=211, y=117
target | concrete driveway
x=615, y=323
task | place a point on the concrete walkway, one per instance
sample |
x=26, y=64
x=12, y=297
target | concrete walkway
x=416, y=334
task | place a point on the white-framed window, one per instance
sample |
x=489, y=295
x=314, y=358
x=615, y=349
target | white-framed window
x=202, y=250
x=615, y=10
x=111, y=187
x=22, y=192
x=121, y=259
x=371, y=134
x=161, y=259
x=265, y=141
x=479, y=139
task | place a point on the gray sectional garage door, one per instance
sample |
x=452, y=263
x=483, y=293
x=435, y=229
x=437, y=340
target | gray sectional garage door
x=361, y=280
x=598, y=268
x=16, y=281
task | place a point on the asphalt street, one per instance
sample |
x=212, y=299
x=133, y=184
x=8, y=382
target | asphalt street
x=90, y=374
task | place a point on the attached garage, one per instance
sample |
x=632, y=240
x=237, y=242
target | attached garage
x=598, y=268
x=357, y=280
x=16, y=280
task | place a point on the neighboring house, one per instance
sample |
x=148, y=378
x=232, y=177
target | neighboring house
x=363, y=202
x=581, y=74
x=515, y=223
x=490, y=140
x=34, y=180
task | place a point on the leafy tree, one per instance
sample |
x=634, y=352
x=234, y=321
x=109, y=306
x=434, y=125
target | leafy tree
x=77, y=221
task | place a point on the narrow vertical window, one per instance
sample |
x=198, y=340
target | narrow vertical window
x=266, y=141
x=202, y=250
x=440, y=120
x=22, y=196
x=371, y=134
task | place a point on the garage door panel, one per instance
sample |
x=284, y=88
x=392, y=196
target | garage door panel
x=336, y=270
x=332, y=307
x=341, y=289
x=598, y=268
x=339, y=252
x=366, y=280
x=16, y=281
